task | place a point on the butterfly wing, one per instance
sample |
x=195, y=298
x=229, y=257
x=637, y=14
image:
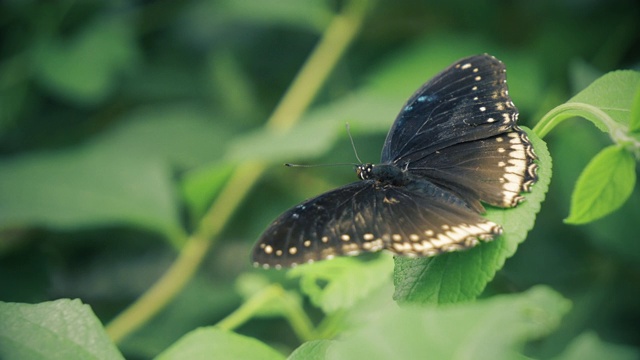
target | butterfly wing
x=459, y=131
x=420, y=219
x=314, y=229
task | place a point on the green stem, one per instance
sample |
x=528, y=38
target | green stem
x=602, y=120
x=190, y=257
x=298, y=319
x=568, y=110
x=333, y=44
x=293, y=312
x=250, y=307
x=335, y=40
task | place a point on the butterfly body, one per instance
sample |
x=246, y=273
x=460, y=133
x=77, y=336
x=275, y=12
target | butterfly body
x=454, y=146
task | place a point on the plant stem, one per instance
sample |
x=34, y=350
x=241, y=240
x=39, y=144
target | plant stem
x=298, y=319
x=190, y=257
x=618, y=133
x=250, y=307
x=340, y=33
x=335, y=40
x=294, y=313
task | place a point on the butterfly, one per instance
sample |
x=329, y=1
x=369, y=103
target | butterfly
x=454, y=145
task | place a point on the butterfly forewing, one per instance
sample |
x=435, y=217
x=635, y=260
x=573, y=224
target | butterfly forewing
x=467, y=101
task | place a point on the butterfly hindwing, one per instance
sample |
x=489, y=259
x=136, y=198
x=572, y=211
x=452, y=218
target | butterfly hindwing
x=495, y=170
x=421, y=220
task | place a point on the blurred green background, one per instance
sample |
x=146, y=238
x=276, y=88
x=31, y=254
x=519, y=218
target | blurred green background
x=119, y=122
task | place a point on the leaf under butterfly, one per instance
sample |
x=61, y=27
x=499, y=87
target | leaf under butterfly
x=462, y=276
x=341, y=283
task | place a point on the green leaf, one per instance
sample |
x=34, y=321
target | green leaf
x=606, y=103
x=182, y=135
x=86, y=187
x=578, y=145
x=589, y=346
x=212, y=343
x=62, y=329
x=634, y=121
x=604, y=185
x=307, y=139
x=85, y=69
x=340, y=283
x=123, y=176
x=461, y=276
x=495, y=328
x=311, y=350
x=613, y=93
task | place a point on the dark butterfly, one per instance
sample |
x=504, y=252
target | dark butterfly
x=454, y=144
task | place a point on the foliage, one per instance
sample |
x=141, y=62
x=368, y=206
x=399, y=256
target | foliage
x=61, y=329
x=201, y=343
x=140, y=153
x=609, y=179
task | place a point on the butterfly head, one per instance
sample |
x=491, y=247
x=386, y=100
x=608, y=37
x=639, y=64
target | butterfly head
x=383, y=174
x=364, y=171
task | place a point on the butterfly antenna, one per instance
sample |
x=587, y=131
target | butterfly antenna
x=318, y=165
x=353, y=144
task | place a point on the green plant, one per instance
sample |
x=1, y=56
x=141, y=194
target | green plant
x=181, y=176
